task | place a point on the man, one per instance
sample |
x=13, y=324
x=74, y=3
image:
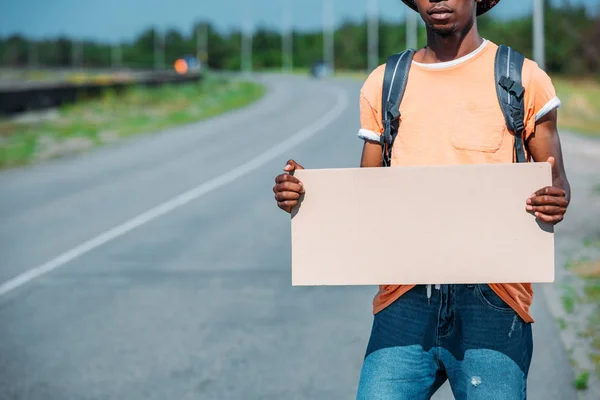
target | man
x=476, y=336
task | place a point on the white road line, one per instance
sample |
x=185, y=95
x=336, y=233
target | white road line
x=180, y=200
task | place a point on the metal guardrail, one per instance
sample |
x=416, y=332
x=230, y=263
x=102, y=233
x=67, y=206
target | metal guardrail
x=32, y=96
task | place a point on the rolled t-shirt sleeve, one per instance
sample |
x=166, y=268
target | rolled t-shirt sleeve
x=540, y=95
x=370, y=114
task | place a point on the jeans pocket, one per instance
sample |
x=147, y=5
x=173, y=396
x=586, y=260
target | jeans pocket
x=490, y=299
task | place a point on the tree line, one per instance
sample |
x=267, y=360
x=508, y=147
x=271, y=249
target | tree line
x=572, y=45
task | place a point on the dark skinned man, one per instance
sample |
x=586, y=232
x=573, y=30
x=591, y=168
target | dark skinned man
x=478, y=337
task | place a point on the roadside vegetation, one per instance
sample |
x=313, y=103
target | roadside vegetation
x=81, y=126
x=581, y=300
x=580, y=109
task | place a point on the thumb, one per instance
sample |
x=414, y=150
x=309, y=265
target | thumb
x=291, y=166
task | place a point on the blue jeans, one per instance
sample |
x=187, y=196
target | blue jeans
x=465, y=334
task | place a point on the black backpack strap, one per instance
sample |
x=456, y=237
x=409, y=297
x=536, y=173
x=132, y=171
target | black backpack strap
x=509, y=64
x=394, y=84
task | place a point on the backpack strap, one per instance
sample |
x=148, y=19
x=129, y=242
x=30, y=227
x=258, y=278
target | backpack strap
x=508, y=67
x=394, y=85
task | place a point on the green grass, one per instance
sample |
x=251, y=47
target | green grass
x=569, y=299
x=581, y=382
x=589, y=273
x=568, y=304
x=592, y=296
x=75, y=76
x=580, y=109
x=562, y=324
x=294, y=71
x=592, y=242
x=81, y=126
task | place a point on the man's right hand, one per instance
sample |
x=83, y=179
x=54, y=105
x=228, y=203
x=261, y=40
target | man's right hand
x=288, y=188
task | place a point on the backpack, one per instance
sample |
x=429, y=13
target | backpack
x=507, y=73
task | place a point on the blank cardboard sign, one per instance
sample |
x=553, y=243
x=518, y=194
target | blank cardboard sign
x=421, y=225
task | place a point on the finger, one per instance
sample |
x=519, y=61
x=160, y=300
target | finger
x=284, y=207
x=296, y=165
x=289, y=187
x=551, y=219
x=559, y=201
x=287, y=178
x=291, y=166
x=550, y=191
x=548, y=210
x=287, y=204
x=551, y=161
x=282, y=196
x=288, y=194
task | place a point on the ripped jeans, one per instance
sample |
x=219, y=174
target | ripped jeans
x=465, y=334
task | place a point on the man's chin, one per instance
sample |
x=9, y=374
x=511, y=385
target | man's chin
x=444, y=30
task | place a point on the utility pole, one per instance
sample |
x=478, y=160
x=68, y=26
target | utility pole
x=328, y=45
x=247, y=33
x=202, y=43
x=411, y=28
x=247, y=49
x=159, y=50
x=76, y=53
x=538, y=33
x=373, y=34
x=117, y=55
x=32, y=54
x=287, y=38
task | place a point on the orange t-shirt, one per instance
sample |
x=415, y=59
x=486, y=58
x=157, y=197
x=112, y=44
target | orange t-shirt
x=450, y=115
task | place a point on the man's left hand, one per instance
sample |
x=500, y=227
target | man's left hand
x=550, y=203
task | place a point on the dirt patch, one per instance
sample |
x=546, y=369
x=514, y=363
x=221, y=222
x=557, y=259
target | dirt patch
x=49, y=147
x=587, y=269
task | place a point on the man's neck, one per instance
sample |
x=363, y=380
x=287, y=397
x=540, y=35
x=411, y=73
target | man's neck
x=447, y=48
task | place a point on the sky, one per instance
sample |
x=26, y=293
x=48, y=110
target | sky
x=122, y=20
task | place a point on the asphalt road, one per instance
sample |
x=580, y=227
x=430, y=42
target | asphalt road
x=191, y=300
